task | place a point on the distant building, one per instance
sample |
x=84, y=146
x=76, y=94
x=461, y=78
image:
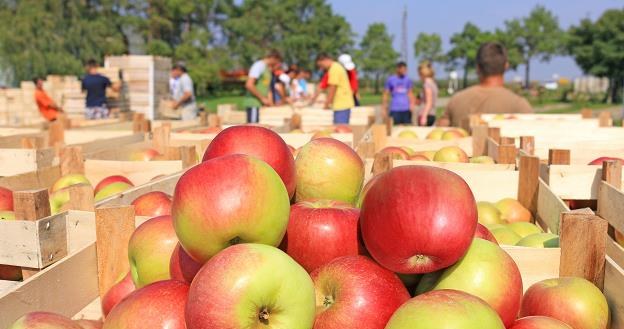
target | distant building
x=591, y=85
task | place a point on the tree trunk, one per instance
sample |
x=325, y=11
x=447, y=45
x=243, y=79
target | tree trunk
x=615, y=91
x=376, y=83
x=527, y=74
x=465, y=84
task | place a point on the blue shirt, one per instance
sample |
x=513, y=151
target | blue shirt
x=95, y=85
x=399, y=88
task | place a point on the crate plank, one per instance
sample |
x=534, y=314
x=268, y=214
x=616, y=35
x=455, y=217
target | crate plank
x=575, y=182
x=611, y=205
x=549, y=207
x=614, y=281
x=535, y=264
x=137, y=172
x=19, y=161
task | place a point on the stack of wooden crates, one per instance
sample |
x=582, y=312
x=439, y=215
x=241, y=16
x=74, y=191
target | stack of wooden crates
x=18, y=107
x=73, y=99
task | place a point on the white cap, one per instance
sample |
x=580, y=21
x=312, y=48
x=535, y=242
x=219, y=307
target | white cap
x=284, y=78
x=346, y=61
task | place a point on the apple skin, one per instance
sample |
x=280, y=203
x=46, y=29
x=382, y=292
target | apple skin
x=58, y=199
x=483, y=233
x=572, y=300
x=539, y=240
x=150, y=249
x=258, y=142
x=10, y=273
x=436, y=134
x=6, y=199
x=429, y=154
x=408, y=134
x=152, y=204
x=321, y=134
x=365, y=190
x=348, y=288
x=445, y=309
x=111, y=179
x=600, y=160
x=112, y=189
x=144, y=155
x=524, y=229
x=407, y=199
x=483, y=159
x=504, y=235
x=451, y=154
x=489, y=273
x=409, y=150
x=7, y=215
x=229, y=200
x=159, y=305
x=247, y=281
x=44, y=320
x=418, y=157
x=488, y=213
x=539, y=322
x=117, y=293
x=89, y=324
x=182, y=267
x=320, y=231
x=396, y=152
x=328, y=169
x=343, y=129
x=69, y=180
x=452, y=135
x=513, y=211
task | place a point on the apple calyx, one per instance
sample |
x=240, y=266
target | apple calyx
x=235, y=240
x=328, y=301
x=418, y=260
x=263, y=316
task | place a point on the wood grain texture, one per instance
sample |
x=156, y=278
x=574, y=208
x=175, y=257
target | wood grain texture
x=558, y=157
x=529, y=182
x=611, y=205
x=549, y=207
x=380, y=135
x=527, y=144
x=494, y=133
x=612, y=173
x=614, y=281
x=71, y=160
x=31, y=204
x=382, y=164
x=479, y=140
x=535, y=264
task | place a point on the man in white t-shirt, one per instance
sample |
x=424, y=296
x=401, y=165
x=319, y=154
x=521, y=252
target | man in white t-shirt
x=182, y=92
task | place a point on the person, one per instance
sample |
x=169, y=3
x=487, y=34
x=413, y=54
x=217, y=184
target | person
x=278, y=90
x=295, y=91
x=182, y=92
x=339, y=93
x=348, y=64
x=429, y=95
x=48, y=109
x=95, y=86
x=258, y=84
x=302, y=78
x=490, y=95
x=400, y=88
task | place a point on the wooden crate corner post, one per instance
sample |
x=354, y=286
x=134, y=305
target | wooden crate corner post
x=479, y=139
x=558, y=157
x=71, y=160
x=527, y=144
x=528, y=182
x=161, y=137
x=383, y=163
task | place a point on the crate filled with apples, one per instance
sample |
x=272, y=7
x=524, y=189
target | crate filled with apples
x=257, y=239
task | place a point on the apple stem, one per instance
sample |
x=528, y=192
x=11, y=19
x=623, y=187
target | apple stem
x=263, y=316
x=235, y=240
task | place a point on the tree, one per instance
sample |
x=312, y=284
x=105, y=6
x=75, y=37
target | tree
x=428, y=47
x=376, y=52
x=536, y=36
x=465, y=45
x=300, y=29
x=598, y=48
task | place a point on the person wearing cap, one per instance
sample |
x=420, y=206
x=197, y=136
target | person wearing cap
x=182, y=92
x=348, y=64
x=339, y=92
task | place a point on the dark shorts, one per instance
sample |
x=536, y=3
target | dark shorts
x=253, y=114
x=342, y=116
x=401, y=117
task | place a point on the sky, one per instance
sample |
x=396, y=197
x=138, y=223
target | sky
x=447, y=17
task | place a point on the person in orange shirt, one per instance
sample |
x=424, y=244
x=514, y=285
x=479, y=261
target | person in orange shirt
x=49, y=110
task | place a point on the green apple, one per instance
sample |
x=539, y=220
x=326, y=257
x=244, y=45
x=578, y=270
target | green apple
x=112, y=189
x=482, y=159
x=69, y=180
x=57, y=200
x=251, y=286
x=436, y=134
x=524, y=228
x=505, y=235
x=7, y=215
x=540, y=240
x=409, y=150
x=488, y=214
x=451, y=154
x=408, y=134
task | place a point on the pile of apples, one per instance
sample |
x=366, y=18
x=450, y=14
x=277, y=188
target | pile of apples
x=446, y=154
x=440, y=134
x=257, y=239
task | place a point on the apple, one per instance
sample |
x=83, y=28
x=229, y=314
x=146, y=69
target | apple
x=408, y=134
x=44, y=320
x=258, y=142
x=152, y=204
x=539, y=322
x=117, y=293
x=600, y=160
x=504, y=235
x=7, y=215
x=453, y=134
x=355, y=292
x=409, y=150
x=365, y=190
x=69, y=180
x=463, y=132
x=112, y=189
x=524, y=229
x=320, y=231
x=482, y=159
x=395, y=152
x=229, y=200
x=572, y=300
x=540, y=240
x=328, y=169
x=58, y=199
x=436, y=134
x=445, y=309
x=418, y=157
x=251, y=286
x=292, y=150
x=182, y=267
x=89, y=324
x=111, y=179
x=10, y=273
x=159, y=305
x=144, y=155
x=418, y=219
x=429, y=154
x=321, y=134
x=451, y=154
x=6, y=199
x=483, y=233
x=489, y=273
x=488, y=213
x=343, y=129
x=513, y=211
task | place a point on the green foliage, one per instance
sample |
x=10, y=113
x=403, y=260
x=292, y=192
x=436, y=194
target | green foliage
x=429, y=47
x=376, y=55
x=465, y=45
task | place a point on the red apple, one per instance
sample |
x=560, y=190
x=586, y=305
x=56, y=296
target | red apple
x=396, y=152
x=89, y=324
x=600, y=160
x=355, y=292
x=320, y=231
x=6, y=199
x=539, y=322
x=44, y=320
x=150, y=249
x=117, y=293
x=109, y=180
x=483, y=233
x=144, y=155
x=182, y=267
x=365, y=190
x=229, y=200
x=489, y=273
x=572, y=300
x=444, y=309
x=152, y=204
x=258, y=142
x=418, y=219
x=10, y=273
x=343, y=129
x=321, y=134
x=159, y=305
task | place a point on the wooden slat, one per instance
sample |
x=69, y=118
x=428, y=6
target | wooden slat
x=612, y=173
x=558, y=157
x=574, y=182
x=494, y=133
x=31, y=205
x=80, y=198
x=71, y=160
x=529, y=182
x=19, y=161
x=615, y=251
x=479, y=140
x=614, y=281
x=137, y=172
x=527, y=144
x=455, y=166
x=166, y=185
x=382, y=164
x=42, y=178
x=549, y=207
x=611, y=205
x=380, y=135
